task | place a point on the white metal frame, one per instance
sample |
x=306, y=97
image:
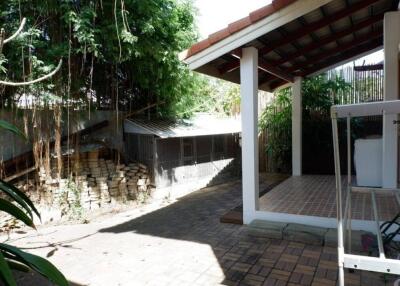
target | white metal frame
x=348, y=260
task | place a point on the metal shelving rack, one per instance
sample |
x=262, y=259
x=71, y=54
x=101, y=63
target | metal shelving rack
x=346, y=259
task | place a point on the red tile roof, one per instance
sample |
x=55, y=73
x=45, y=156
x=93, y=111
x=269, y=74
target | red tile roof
x=238, y=25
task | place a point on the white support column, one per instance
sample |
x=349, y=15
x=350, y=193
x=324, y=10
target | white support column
x=391, y=92
x=297, y=127
x=249, y=94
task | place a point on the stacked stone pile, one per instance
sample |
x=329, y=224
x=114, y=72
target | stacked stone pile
x=96, y=182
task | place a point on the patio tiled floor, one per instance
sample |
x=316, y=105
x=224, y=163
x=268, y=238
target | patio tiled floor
x=182, y=243
x=315, y=195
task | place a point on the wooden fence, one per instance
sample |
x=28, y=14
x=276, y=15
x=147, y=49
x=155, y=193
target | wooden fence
x=366, y=84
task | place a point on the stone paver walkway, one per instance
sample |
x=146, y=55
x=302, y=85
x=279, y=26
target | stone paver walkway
x=182, y=243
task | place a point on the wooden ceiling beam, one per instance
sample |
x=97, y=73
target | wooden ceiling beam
x=333, y=52
x=331, y=62
x=275, y=84
x=345, y=56
x=268, y=68
x=229, y=66
x=312, y=27
x=271, y=69
x=330, y=39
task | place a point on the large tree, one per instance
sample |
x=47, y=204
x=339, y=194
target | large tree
x=117, y=53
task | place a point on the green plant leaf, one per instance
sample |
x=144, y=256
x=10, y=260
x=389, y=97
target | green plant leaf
x=19, y=197
x=16, y=212
x=5, y=272
x=15, y=265
x=37, y=263
x=12, y=128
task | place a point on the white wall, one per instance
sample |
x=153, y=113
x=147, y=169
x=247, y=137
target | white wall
x=391, y=92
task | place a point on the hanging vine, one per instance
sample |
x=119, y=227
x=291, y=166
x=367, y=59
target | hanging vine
x=143, y=37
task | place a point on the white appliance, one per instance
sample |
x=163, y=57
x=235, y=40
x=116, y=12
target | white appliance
x=368, y=162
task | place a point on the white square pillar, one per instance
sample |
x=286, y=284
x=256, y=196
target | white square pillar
x=391, y=92
x=297, y=110
x=249, y=106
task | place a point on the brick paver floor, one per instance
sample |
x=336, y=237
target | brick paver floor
x=183, y=243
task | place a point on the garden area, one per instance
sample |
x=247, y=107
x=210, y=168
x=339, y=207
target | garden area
x=71, y=74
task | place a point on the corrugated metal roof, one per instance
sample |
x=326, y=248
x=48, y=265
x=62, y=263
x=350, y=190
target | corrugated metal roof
x=200, y=125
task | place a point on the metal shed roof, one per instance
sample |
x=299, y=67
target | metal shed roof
x=200, y=125
x=293, y=38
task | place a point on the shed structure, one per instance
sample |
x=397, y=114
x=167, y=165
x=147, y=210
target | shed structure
x=203, y=150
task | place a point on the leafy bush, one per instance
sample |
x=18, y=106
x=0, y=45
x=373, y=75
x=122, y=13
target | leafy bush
x=318, y=94
x=277, y=120
x=19, y=206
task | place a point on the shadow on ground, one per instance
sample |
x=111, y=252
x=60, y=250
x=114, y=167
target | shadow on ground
x=244, y=259
x=35, y=279
x=195, y=218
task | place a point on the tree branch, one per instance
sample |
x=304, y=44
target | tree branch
x=21, y=26
x=8, y=83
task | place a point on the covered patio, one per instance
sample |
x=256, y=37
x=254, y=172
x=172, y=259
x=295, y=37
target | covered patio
x=311, y=199
x=279, y=45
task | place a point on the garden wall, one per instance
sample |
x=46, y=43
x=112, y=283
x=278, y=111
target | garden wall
x=12, y=146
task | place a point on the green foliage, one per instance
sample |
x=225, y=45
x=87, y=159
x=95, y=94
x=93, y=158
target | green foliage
x=19, y=206
x=207, y=94
x=318, y=93
x=125, y=50
x=276, y=118
x=9, y=127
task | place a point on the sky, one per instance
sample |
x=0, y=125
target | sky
x=217, y=14
x=214, y=15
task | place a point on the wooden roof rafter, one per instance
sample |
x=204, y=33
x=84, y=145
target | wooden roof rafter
x=285, y=34
x=312, y=27
x=305, y=39
x=351, y=16
x=229, y=66
x=332, y=31
x=330, y=38
x=338, y=49
x=279, y=73
x=357, y=50
x=267, y=68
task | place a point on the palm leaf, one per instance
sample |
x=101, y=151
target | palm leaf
x=37, y=263
x=19, y=197
x=5, y=272
x=16, y=212
x=12, y=128
x=14, y=265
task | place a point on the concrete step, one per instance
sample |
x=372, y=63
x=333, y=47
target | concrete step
x=305, y=233
x=302, y=233
x=356, y=235
x=268, y=229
